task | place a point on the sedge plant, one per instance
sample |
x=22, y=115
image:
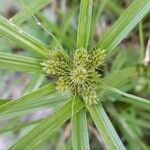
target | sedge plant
x=77, y=85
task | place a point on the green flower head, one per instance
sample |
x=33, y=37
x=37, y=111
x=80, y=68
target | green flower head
x=79, y=76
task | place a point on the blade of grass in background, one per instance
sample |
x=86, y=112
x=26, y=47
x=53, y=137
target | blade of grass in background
x=131, y=137
x=84, y=23
x=20, y=63
x=105, y=127
x=39, y=134
x=126, y=22
x=135, y=100
x=116, y=78
x=22, y=39
x=79, y=125
x=34, y=84
x=115, y=7
x=7, y=109
x=34, y=7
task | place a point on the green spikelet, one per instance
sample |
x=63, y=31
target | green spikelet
x=97, y=58
x=79, y=76
x=90, y=96
x=56, y=65
x=57, y=55
x=62, y=84
x=80, y=56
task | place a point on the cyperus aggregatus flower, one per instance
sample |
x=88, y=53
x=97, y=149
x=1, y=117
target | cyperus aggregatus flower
x=77, y=74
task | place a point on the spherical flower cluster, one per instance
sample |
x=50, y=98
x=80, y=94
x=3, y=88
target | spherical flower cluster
x=78, y=74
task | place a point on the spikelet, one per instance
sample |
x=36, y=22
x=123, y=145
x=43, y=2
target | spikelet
x=62, y=84
x=57, y=55
x=80, y=56
x=97, y=57
x=90, y=96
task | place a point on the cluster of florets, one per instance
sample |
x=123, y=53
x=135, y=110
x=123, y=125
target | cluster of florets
x=78, y=74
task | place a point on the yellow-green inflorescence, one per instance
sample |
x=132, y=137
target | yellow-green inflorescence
x=77, y=74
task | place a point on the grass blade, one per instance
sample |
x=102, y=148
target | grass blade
x=115, y=7
x=20, y=63
x=126, y=22
x=117, y=77
x=40, y=133
x=25, y=13
x=35, y=83
x=105, y=127
x=10, y=107
x=80, y=140
x=28, y=107
x=135, y=100
x=84, y=23
x=3, y=101
x=21, y=38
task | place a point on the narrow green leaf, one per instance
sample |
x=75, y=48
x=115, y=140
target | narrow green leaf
x=142, y=123
x=135, y=100
x=3, y=101
x=84, y=23
x=40, y=133
x=115, y=7
x=20, y=63
x=126, y=22
x=117, y=77
x=21, y=38
x=105, y=127
x=25, y=13
x=35, y=83
x=35, y=106
x=26, y=107
x=80, y=140
x=10, y=107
